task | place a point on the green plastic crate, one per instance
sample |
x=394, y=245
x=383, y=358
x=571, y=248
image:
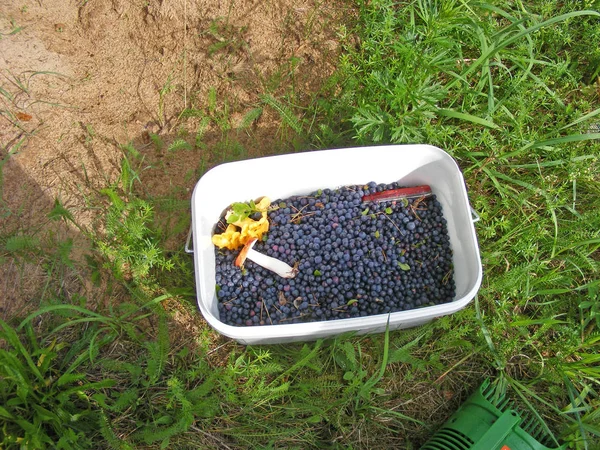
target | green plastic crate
x=488, y=421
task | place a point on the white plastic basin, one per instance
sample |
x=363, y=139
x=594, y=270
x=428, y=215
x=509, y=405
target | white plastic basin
x=302, y=173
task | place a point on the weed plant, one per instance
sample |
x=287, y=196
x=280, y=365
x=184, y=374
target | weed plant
x=508, y=89
x=44, y=396
x=483, y=82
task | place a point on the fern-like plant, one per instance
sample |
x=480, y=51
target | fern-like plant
x=159, y=397
x=129, y=244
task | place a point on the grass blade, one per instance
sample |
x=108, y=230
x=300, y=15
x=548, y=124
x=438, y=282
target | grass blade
x=558, y=162
x=54, y=308
x=588, y=116
x=493, y=50
x=8, y=333
x=553, y=142
x=519, y=389
x=468, y=118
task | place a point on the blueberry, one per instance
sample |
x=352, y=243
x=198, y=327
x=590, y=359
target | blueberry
x=357, y=256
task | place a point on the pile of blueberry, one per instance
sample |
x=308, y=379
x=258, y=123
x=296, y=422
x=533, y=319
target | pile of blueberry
x=354, y=259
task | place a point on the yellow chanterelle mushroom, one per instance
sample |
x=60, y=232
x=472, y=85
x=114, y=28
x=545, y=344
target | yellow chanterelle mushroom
x=241, y=231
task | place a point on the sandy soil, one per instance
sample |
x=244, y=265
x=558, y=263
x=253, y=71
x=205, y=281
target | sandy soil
x=79, y=79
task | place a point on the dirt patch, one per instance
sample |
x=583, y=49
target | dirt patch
x=184, y=81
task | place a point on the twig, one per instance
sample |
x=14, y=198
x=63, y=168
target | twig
x=267, y=311
x=217, y=348
x=393, y=223
x=219, y=441
x=297, y=216
x=462, y=360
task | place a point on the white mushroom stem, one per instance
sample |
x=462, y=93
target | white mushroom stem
x=273, y=264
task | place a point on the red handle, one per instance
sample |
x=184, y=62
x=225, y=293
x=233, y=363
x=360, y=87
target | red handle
x=396, y=194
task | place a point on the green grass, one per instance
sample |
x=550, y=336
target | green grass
x=508, y=89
